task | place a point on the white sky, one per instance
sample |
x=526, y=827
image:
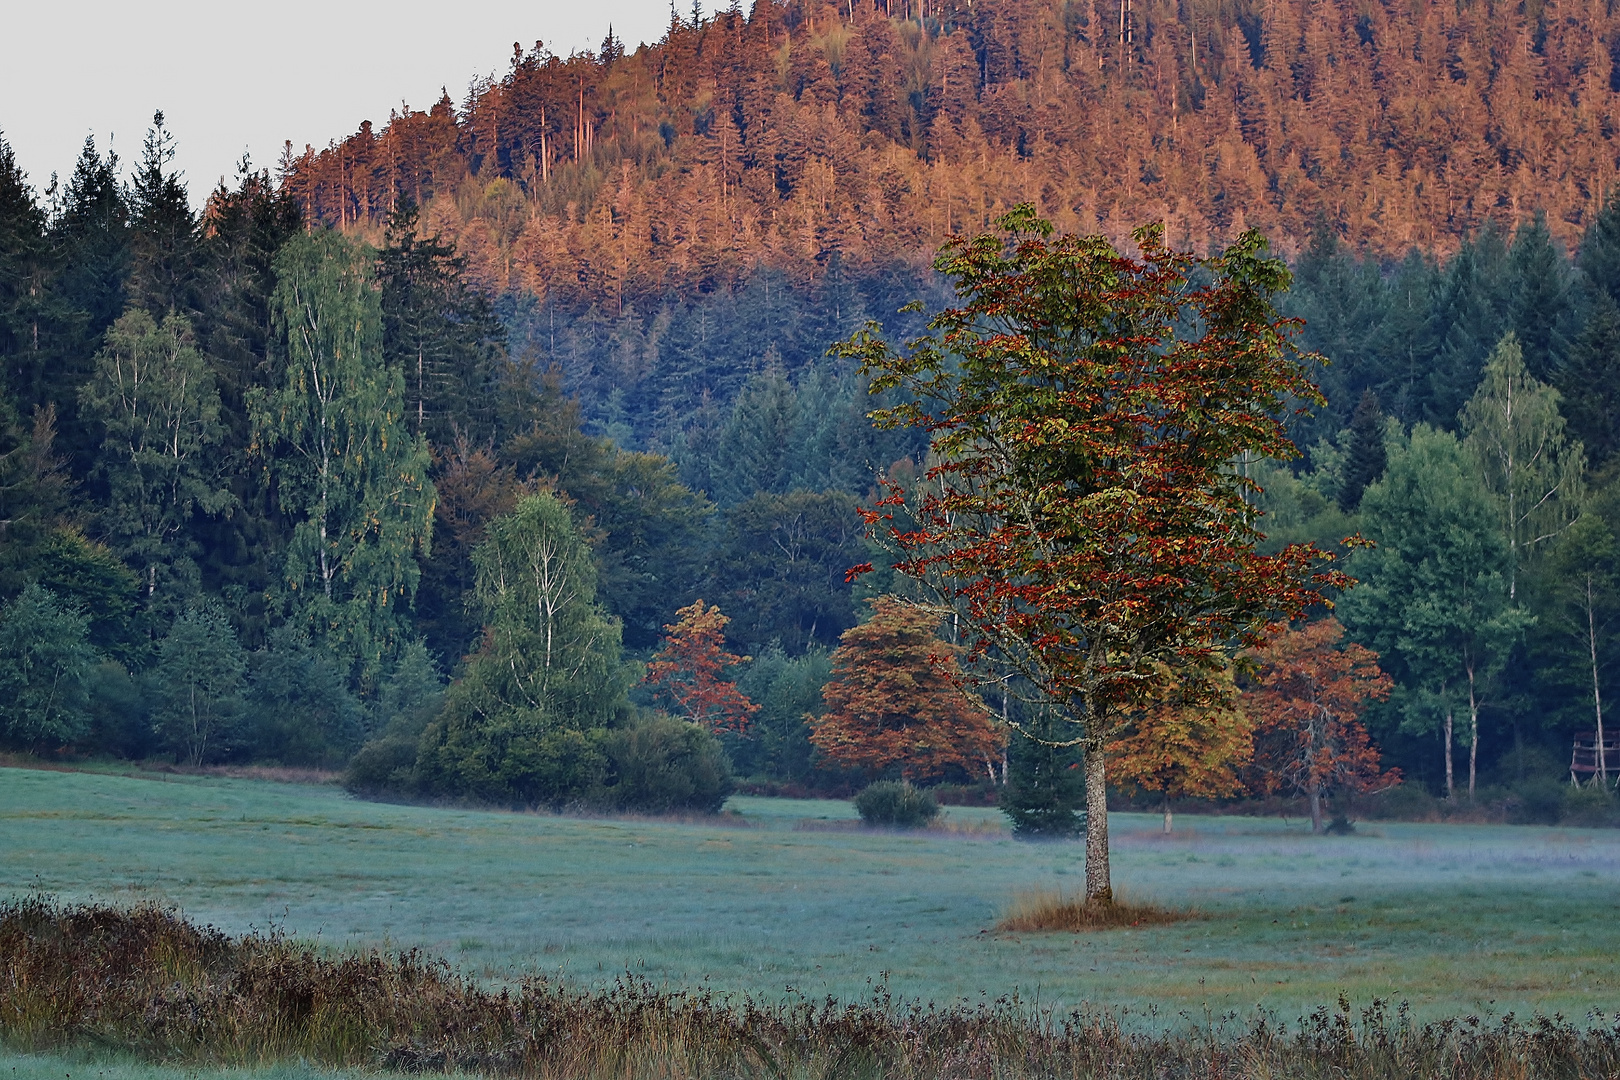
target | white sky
x=231, y=77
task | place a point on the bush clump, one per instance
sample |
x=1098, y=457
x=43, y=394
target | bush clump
x=896, y=804
x=661, y=764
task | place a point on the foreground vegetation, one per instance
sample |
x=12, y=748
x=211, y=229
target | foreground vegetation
x=150, y=982
x=1455, y=919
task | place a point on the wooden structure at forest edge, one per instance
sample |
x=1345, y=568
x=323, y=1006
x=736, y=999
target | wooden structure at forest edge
x=1584, y=760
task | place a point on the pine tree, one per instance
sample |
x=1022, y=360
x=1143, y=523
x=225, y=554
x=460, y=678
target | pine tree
x=1045, y=792
x=1539, y=296
x=1589, y=382
x=442, y=335
x=1367, y=458
x=25, y=272
x=163, y=279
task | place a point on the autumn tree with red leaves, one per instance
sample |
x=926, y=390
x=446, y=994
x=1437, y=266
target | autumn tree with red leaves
x=1306, y=703
x=1083, y=520
x=895, y=700
x=1191, y=742
x=688, y=673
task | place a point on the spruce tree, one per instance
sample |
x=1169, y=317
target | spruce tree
x=443, y=336
x=1367, y=457
x=163, y=279
x=25, y=259
x=1539, y=297
x=1589, y=380
x=1045, y=792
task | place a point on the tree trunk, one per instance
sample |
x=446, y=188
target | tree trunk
x=1448, y=751
x=1167, y=815
x=1099, y=884
x=1473, y=733
x=1597, y=695
x=1314, y=790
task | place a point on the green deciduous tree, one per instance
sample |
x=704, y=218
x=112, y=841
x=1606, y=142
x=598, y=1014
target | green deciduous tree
x=1577, y=616
x=348, y=468
x=1433, y=598
x=518, y=726
x=153, y=396
x=197, y=683
x=1514, y=430
x=44, y=662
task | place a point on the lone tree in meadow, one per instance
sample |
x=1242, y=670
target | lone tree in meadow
x=894, y=700
x=1084, y=520
x=688, y=672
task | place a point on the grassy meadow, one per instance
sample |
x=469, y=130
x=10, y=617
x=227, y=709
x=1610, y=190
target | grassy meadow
x=787, y=894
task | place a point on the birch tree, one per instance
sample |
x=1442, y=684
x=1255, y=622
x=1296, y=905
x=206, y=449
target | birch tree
x=346, y=466
x=1514, y=430
x=153, y=397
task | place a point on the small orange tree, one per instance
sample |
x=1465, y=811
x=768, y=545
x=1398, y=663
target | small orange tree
x=1189, y=742
x=1308, y=696
x=688, y=672
x=895, y=699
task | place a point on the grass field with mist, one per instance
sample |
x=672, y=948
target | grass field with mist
x=1455, y=919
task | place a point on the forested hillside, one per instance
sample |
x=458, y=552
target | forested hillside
x=563, y=348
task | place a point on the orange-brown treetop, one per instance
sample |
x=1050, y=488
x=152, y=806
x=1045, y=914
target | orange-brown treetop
x=808, y=127
x=895, y=700
x=689, y=671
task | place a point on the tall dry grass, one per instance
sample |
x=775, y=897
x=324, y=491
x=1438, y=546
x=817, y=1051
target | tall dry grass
x=1041, y=910
x=147, y=981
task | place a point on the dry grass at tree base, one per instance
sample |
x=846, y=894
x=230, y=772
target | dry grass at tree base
x=146, y=982
x=1049, y=910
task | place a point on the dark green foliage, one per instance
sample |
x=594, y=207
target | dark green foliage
x=443, y=336
x=411, y=697
x=196, y=685
x=1589, y=380
x=299, y=710
x=660, y=764
x=120, y=712
x=896, y=804
x=90, y=239
x=786, y=689
x=781, y=569
x=88, y=574
x=1367, y=458
x=1590, y=806
x=1045, y=793
x=163, y=233
x=45, y=662
x=25, y=270
x=1539, y=296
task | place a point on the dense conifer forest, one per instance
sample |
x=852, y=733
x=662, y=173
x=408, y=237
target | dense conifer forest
x=289, y=473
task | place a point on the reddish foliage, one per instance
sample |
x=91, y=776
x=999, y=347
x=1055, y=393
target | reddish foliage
x=1309, y=693
x=688, y=672
x=1083, y=518
x=894, y=699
